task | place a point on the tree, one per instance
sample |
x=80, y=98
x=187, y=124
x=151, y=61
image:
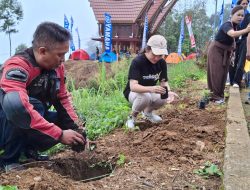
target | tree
x=201, y=26
x=11, y=14
x=20, y=48
x=226, y=16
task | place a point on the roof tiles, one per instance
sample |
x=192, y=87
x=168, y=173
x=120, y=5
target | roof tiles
x=121, y=11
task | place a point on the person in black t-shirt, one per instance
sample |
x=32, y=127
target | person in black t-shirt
x=236, y=70
x=142, y=89
x=219, y=53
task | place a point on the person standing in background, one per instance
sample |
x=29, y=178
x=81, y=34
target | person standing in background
x=219, y=54
x=236, y=70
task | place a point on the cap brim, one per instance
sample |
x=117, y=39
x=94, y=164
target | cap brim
x=158, y=51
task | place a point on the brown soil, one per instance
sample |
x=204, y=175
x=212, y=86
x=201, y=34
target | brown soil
x=160, y=157
x=83, y=72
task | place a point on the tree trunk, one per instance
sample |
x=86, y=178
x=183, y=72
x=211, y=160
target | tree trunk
x=10, y=42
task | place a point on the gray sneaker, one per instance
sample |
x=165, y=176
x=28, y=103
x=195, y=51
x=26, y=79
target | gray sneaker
x=152, y=117
x=13, y=167
x=130, y=122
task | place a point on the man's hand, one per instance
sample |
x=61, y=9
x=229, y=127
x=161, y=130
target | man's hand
x=70, y=137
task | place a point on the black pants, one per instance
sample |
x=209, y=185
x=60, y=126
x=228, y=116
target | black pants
x=236, y=72
x=14, y=139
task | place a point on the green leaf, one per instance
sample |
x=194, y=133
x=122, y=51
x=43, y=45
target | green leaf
x=8, y=187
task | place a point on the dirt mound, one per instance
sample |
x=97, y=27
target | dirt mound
x=161, y=156
x=84, y=71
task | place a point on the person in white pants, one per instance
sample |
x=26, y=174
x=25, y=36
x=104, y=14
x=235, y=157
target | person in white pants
x=148, y=82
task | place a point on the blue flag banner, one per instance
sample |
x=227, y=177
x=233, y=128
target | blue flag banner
x=221, y=14
x=66, y=22
x=72, y=45
x=181, y=38
x=78, y=36
x=145, y=31
x=66, y=25
x=71, y=23
x=233, y=3
x=107, y=33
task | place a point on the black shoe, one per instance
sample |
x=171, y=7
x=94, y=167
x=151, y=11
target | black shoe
x=36, y=156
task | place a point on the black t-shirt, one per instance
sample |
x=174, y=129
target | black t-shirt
x=146, y=73
x=222, y=35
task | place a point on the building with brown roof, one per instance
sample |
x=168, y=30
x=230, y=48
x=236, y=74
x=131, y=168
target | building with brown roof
x=128, y=20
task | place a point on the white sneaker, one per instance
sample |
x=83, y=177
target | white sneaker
x=236, y=85
x=227, y=83
x=152, y=117
x=130, y=122
x=220, y=101
x=13, y=167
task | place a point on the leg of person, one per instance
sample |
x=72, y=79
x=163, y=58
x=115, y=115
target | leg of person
x=139, y=101
x=241, y=63
x=37, y=141
x=156, y=103
x=12, y=139
x=215, y=77
x=232, y=67
x=228, y=80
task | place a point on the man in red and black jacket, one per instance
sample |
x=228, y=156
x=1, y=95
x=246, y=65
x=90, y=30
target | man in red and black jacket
x=31, y=82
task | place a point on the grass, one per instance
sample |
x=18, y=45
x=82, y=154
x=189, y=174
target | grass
x=105, y=107
x=179, y=73
x=8, y=187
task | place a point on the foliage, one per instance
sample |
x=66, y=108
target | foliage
x=20, y=48
x=183, y=71
x=55, y=149
x=11, y=14
x=105, y=107
x=121, y=160
x=200, y=25
x=208, y=170
x=8, y=187
x=227, y=9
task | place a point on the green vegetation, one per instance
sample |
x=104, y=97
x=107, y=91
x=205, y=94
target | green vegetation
x=8, y=187
x=208, y=170
x=121, y=160
x=180, y=73
x=11, y=13
x=104, y=106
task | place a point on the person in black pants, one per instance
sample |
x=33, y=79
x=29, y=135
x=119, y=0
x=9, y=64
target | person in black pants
x=31, y=82
x=236, y=71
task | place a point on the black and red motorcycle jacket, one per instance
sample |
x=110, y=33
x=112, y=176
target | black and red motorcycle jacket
x=22, y=78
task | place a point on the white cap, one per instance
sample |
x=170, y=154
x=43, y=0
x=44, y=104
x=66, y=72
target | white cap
x=158, y=45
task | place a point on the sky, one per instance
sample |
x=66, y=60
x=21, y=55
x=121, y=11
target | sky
x=37, y=11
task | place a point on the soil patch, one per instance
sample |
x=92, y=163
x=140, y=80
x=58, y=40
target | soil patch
x=84, y=72
x=160, y=156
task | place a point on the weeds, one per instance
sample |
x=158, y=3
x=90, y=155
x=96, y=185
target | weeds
x=208, y=170
x=121, y=160
x=8, y=187
x=105, y=107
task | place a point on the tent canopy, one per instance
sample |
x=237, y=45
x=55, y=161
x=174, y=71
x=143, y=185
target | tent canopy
x=191, y=56
x=80, y=55
x=174, y=58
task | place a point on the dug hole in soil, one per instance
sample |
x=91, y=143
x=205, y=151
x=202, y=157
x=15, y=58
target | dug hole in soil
x=161, y=156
